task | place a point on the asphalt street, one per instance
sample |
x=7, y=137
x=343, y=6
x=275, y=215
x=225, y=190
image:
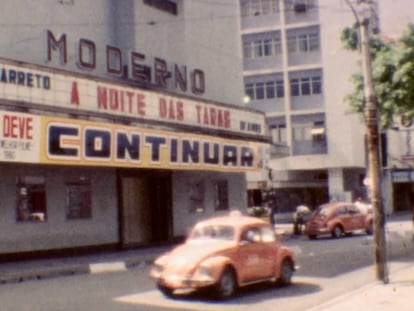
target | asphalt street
x=329, y=268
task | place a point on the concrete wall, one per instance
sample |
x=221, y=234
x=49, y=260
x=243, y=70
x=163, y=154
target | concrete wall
x=57, y=231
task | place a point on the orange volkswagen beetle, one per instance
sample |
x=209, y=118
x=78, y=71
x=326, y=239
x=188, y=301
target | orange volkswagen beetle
x=337, y=219
x=223, y=254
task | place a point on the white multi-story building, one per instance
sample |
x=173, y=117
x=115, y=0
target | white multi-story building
x=297, y=71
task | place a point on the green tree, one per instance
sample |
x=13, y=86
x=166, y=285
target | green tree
x=392, y=74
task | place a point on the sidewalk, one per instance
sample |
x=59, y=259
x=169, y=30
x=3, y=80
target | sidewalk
x=396, y=295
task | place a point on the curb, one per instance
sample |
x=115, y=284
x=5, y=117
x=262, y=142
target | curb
x=51, y=271
x=43, y=273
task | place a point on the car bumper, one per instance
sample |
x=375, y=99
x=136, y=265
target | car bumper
x=316, y=231
x=174, y=281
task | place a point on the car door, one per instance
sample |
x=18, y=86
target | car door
x=344, y=218
x=357, y=218
x=254, y=257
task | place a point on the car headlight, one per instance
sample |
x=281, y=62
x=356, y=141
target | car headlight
x=203, y=271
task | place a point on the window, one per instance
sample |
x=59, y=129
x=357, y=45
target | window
x=270, y=89
x=314, y=41
x=306, y=85
x=196, y=197
x=314, y=132
x=302, y=132
x=222, y=196
x=299, y=6
x=169, y=6
x=252, y=235
x=280, y=89
x=316, y=85
x=277, y=45
x=78, y=198
x=294, y=87
x=278, y=133
x=249, y=89
x=303, y=41
x=247, y=50
x=31, y=199
x=259, y=48
x=259, y=7
x=265, y=90
x=268, y=235
x=318, y=132
x=267, y=47
x=260, y=94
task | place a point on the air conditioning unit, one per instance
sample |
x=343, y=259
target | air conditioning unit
x=300, y=7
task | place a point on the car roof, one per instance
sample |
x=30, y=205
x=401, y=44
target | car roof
x=235, y=219
x=335, y=205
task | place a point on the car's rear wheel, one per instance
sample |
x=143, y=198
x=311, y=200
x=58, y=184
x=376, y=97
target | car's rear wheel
x=227, y=285
x=337, y=232
x=312, y=236
x=286, y=273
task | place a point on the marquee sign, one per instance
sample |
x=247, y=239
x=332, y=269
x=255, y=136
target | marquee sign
x=49, y=140
x=56, y=89
x=77, y=142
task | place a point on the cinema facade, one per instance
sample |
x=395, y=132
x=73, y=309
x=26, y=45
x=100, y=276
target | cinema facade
x=90, y=164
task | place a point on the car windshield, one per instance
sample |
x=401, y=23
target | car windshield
x=218, y=232
x=322, y=210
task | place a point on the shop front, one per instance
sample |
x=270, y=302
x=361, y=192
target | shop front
x=88, y=165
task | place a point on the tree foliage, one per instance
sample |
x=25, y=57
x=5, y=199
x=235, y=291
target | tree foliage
x=392, y=74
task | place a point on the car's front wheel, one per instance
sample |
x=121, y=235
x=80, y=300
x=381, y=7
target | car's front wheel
x=337, y=232
x=227, y=285
x=166, y=291
x=286, y=273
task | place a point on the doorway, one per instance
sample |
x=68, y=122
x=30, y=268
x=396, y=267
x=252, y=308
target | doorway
x=403, y=196
x=146, y=212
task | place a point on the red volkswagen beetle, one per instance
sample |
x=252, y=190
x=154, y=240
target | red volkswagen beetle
x=337, y=219
x=223, y=254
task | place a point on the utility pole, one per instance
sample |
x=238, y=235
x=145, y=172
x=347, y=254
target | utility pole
x=373, y=146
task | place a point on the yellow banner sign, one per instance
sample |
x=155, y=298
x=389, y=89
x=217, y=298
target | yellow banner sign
x=78, y=142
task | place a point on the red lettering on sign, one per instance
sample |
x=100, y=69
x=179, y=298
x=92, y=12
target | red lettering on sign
x=213, y=116
x=171, y=109
x=121, y=101
x=74, y=95
x=18, y=127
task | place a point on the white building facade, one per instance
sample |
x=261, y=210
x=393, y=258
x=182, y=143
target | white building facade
x=121, y=123
x=297, y=71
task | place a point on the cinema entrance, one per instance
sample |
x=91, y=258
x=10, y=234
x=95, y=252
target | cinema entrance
x=145, y=207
